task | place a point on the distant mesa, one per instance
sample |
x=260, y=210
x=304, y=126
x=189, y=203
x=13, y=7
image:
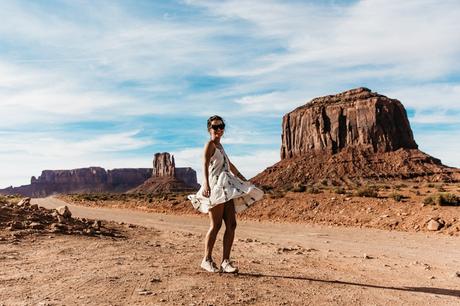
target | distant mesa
x=97, y=179
x=167, y=178
x=357, y=134
x=91, y=179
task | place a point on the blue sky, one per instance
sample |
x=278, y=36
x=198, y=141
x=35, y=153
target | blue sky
x=110, y=83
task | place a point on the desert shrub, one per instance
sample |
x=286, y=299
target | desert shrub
x=417, y=193
x=339, y=190
x=402, y=185
x=367, y=191
x=3, y=200
x=267, y=188
x=441, y=188
x=430, y=185
x=276, y=194
x=324, y=182
x=415, y=187
x=298, y=187
x=442, y=199
x=396, y=196
x=313, y=190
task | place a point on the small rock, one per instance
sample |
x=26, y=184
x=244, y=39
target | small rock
x=457, y=274
x=15, y=225
x=365, y=256
x=248, y=240
x=155, y=280
x=96, y=224
x=24, y=202
x=34, y=206
x=64, y=211
x=36, y=225
x=145, y=292
x=433, y=225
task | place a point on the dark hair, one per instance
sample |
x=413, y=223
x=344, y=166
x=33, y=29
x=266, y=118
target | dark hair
x=215, y=117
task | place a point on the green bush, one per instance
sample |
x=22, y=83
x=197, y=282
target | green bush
x=298, y=187
x=339, y=190
x=441, y=188
x=396, y=196
x=276, y=194
x=442, y=199
x=399, y=186
x=367, y=191
x=313, y=190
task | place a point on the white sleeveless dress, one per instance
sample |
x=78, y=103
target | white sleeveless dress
x=224, y=185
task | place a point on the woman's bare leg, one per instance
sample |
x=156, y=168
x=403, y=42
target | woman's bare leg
x=215, y=217
x=230, y=226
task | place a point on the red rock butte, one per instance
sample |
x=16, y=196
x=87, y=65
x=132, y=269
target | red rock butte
x=354, y=135
x=166, y=177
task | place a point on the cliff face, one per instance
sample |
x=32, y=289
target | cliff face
x=354, y=135
x=355, y=118
x=163, y=165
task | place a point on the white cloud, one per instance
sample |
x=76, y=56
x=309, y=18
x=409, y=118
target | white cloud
x=442, y=145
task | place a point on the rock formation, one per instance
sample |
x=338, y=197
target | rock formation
x=355, y=118
x=163, y=165
x=167, y=178
x=354, y=135
x=92, y=179
x=97, y=179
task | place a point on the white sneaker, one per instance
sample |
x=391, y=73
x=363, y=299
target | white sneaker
x=209, y=265
x=227, y=267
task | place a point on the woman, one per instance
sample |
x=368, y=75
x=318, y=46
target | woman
x=224, y=192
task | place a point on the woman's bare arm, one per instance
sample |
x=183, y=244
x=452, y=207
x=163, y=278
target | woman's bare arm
x=208, y=152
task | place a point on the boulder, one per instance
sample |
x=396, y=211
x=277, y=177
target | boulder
x=64, y=211
x=433, y=225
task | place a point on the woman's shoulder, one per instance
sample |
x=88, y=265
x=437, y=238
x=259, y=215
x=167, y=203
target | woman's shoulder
x=210, y=147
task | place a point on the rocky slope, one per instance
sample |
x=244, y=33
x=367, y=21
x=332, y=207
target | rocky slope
x=21, y=218
x=344, y=138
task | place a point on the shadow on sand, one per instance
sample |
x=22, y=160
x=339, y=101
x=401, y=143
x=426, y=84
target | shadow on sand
x=440, y=291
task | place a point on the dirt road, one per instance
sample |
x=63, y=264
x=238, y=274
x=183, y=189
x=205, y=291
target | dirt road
x=280, y=264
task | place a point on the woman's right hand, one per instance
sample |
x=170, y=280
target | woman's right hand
x=206, y=191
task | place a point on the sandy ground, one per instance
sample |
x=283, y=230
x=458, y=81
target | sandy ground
x=157, y=263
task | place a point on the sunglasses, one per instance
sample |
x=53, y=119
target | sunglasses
x=215, y=127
